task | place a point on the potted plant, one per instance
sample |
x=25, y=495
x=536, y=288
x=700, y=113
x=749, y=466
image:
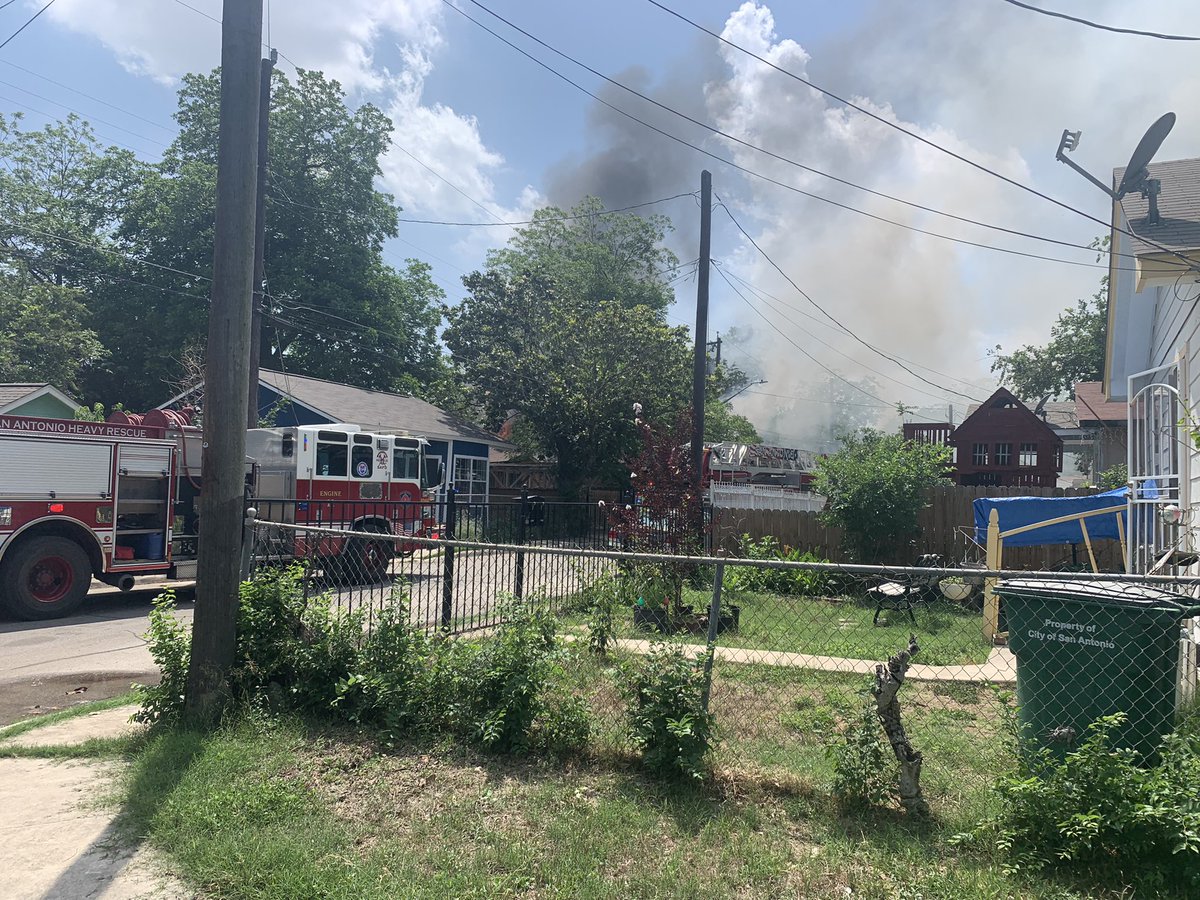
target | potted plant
x=955, y=588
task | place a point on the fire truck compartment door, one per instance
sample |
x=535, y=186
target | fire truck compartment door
x=32, y=469
x=144, y=462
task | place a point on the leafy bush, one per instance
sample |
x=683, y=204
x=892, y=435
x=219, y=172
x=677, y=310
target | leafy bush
x=876, y=487
x=497, y=684
x=863, y=766
x=1102, y=814
x=294, y=648
x=792, y=582
x=602, y=603
x=389, y=682
x=667, y=720
x=170, y=643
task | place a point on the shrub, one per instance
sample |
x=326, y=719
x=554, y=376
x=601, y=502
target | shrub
x=602, y=603
x=170, y=644
x=294, y=648
x=388, y=684
x=1101, y=814
x=863, y=766
x=497, y=684
x=793, y=582
x=667, y=720
x=563, y=725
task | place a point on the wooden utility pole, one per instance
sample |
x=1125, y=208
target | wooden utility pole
x=214, y=628
x=700, y=360
x=260, y=237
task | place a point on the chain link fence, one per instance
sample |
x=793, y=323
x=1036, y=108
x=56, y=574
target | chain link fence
x=792, y=647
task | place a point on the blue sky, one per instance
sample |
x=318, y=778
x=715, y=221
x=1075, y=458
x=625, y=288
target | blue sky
x=995, y=83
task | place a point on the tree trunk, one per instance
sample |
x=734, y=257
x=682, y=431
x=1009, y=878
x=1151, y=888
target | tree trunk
x=888, y=679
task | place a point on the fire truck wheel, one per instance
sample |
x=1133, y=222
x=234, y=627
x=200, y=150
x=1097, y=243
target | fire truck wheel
x=45, y=577
x=366, y=561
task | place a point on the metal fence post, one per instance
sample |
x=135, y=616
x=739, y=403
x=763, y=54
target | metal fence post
x=448, y=561
x=714, y=620
x=248, y=534
x=519, y=578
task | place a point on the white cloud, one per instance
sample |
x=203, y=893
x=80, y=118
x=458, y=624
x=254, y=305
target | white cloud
x=163, y=40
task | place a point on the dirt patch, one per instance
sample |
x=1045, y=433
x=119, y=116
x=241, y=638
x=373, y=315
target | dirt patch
x=22, y=700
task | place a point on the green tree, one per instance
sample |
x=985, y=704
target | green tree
x=876, y=487
x=1074, y=353
x=42, y=337
x=592, y=255
x=335, y=309
x=721, y=423
x=571, y=367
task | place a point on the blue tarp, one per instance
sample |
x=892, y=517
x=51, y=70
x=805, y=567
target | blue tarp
x=1018, y=511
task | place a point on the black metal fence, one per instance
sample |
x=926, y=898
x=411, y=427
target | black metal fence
x=792, y=647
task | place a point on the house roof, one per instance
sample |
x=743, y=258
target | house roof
x=1092, y=406
x=1060, y=414
x=1178, y=207
x=376, y=409
x=978, y=416
x=15, y=392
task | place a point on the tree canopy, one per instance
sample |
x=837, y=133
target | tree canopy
x=570, y=368
x=80, y=214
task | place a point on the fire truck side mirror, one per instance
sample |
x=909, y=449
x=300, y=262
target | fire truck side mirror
x=289, y=446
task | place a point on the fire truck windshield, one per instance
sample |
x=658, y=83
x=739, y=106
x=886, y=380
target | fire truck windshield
x=406, y=464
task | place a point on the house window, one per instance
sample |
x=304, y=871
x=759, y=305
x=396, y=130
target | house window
x=1028, y=455
x=1004, y=454
x=979, y=454
x=471, y=479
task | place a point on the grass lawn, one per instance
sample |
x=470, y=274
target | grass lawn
x=778, y=722
x=269, y=810
x=948, y=633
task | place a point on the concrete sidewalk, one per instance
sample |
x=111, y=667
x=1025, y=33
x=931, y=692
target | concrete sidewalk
x=58, y=838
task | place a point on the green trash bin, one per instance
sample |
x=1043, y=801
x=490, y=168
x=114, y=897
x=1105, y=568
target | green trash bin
x=1087, y=649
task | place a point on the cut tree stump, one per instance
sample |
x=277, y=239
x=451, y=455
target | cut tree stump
x=888, y=679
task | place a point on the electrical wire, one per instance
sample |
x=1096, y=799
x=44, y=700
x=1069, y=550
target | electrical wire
x=755, y=174
x=776, y=156
x=827, y=345
x=28, y=22
x=95, y=99
x=789, y=339
x=442, y=178
x=1112, y=28
x=84, y=116
x=829, y=316
x=912, y=134
x=760, y=292
x=817, y=400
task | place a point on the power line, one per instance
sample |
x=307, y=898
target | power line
x=776, y=156
x=818, y=400
x=28, y=22
x=755, y=174
x=841, y=353
x=67, y=87
x=1112, y=28
x=829, y=316
x=440, y=177
x=912, y=134
x=788, y=338
x=758, y=291
x=84, y=116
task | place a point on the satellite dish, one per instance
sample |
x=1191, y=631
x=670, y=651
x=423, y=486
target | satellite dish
x=1135, y=172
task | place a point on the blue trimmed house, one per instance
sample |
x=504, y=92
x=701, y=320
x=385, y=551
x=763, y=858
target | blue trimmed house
x=299, y=400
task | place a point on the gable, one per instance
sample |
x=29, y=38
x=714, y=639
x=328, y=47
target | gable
x=1001, y=415
x=42, y=400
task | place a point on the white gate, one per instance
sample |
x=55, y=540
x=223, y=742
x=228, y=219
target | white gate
x=1159, y=455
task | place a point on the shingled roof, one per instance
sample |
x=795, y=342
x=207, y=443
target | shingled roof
x=1178, y=207
x=376, y=409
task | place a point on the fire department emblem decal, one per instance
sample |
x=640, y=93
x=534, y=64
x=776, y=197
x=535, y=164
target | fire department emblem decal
x=362, y=469
x=381, y=459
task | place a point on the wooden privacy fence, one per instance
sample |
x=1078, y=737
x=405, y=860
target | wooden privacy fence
x=946, y=528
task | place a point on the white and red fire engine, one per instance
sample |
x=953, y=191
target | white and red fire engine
x=118, y=499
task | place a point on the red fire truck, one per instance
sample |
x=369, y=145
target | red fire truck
x=118, y=499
